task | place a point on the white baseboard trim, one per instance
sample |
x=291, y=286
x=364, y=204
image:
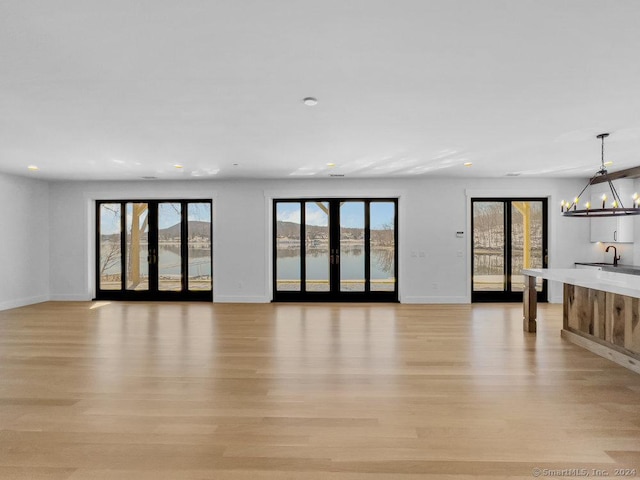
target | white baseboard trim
x=22, y=302
x=452, y=299
x=71, y=297
x=240, y=299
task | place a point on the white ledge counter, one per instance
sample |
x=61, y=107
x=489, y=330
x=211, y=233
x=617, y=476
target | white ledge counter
x=601, y=311
x=620, y=283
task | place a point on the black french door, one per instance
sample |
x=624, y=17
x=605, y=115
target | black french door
x=335, y=250
x=508, y=234
x=153, y=250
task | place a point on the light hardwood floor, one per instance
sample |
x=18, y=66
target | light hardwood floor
x=109, y=390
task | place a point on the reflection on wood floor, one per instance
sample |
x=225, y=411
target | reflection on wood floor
x=289, y=391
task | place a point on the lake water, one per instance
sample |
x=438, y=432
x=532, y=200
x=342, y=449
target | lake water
x=288, y=265
x=351, y=263
x=169, y=262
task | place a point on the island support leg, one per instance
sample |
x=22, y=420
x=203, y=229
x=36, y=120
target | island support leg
x=530, y=304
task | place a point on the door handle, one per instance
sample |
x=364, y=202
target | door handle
x=615, y=235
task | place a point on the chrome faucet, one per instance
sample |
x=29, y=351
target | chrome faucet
x=615, y=254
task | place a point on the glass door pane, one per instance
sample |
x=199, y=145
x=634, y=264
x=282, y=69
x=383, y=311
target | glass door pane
x=317, y=246
x=287, y=245
x=488, y=246
x=526, y=241
x=110, y=263
x=153, y=250
x=382, y=246
x=169, y=247
x=137, y=246
x=335, y=249
x=352, y=258
x=509, y=234
x=199, y=246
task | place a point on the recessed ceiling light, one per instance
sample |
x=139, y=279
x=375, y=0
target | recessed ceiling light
x=331, y=164
x=177, y=165
x=33, y=168
x=310, y=101
x=467, y=164
x=608, y=164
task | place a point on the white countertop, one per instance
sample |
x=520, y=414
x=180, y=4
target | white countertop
x=620, y=283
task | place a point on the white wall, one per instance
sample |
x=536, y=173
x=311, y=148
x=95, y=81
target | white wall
x=24, y=242
x=430, y=212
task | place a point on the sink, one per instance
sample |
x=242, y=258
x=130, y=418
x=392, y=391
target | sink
x=610, y=267
x=623, y=269
x=613, y=276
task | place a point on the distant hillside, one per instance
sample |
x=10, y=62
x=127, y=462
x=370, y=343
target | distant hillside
x=292, y=230
x=196, y=228
x=199, y=229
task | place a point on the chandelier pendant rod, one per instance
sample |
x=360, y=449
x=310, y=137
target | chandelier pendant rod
x=603, y=171
x=616, y=197
x=574, y=204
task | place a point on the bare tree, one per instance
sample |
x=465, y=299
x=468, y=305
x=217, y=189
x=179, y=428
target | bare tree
x=109, y=255
x=109, y=248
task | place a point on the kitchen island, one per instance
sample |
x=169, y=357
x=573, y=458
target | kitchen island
x=601, y=311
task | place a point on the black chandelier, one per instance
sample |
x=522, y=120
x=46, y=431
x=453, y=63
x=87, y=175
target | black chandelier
x=615, y=209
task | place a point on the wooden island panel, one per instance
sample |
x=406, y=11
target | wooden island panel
x=598, y=299
x=601, y=311
x=624, y=320
x=633, y=326
x=609, y=318
x=616, y=318
x=585, y=310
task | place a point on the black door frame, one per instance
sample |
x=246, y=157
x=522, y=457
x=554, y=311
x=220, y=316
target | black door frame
x=506, y=295
x=335, y=294
x=153, y=293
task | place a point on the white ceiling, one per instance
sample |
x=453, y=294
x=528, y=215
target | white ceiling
x=123, y=89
